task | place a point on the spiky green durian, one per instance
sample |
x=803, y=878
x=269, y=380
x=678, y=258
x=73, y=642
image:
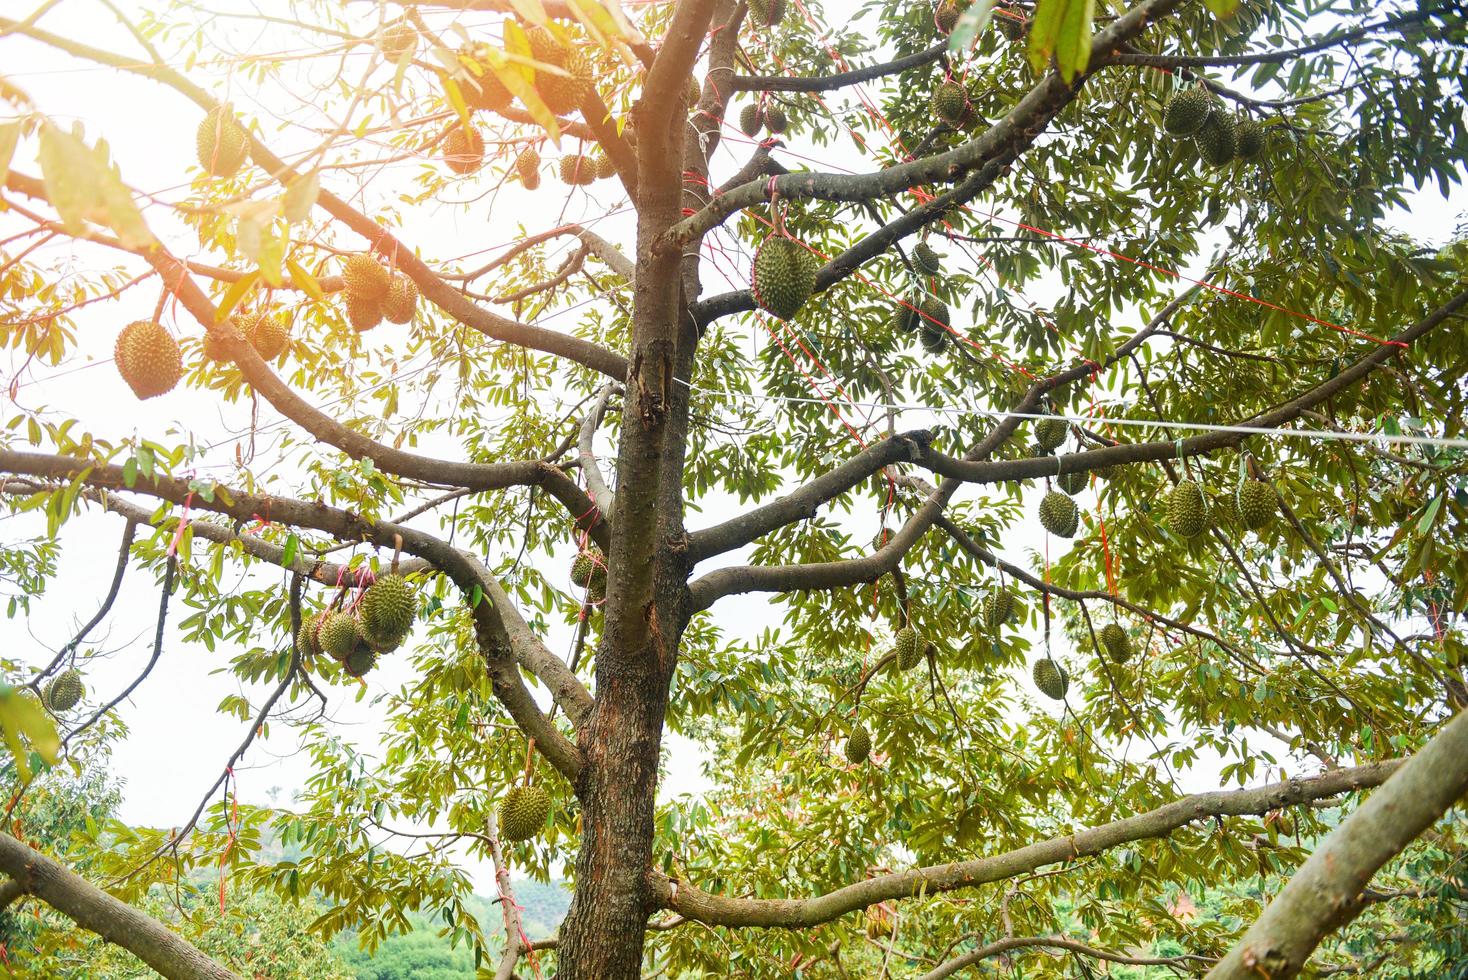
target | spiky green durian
x=387, y=611
x=480, y=86
x=1116, y=642
x=222, y=143
x=1059, y=515
x=946, y=16
x=1257, y=503
x=362, y=659
x=148, y=358
x=775, y=119
x=1050, y=433
x=858, y=745
x=1218, y=140
x=363, y=313
x=584, y=566
x=1073, y=483
x=766, y=13
x=365, y=277
x=909, y=650
x=398, y=39
x=932, y=316
x=308, y=642
x=784, y=275
x=527, y=167
x=604, y=166
x=1187, y=111
x=751, y=118
x=904, y=313
x=339, y=634
x=1050, y=678
x=523, y=812
x=998, y=607
x=577, y=169
x=463, y=149
x=1012, y=24
x=402, y=300
x=1250, y=139
x=1187, y=515
x=64, y=691
x=949, y=102
x=926, y=259
x=268, y=335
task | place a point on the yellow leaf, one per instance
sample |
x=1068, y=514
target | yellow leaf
x=304, y=279
x=234, y=294
x=512, y=78
x=532, y=11
x=456, y=98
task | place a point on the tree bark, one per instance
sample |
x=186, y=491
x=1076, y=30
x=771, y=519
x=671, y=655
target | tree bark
x=112, y=919
x=1326, y=892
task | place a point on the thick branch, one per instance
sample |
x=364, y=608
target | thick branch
x=115, y=921
x=586, y=450
x=972, y=957
x=693, y=903
x=1327, y=891
x=801, y=504
x=825, y=83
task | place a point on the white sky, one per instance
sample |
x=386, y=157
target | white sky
x=178, y=743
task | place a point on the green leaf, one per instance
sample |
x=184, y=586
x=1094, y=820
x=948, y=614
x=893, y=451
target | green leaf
x=1429, y=516
x=9, y=137
x=300, y=197
x=475, y=595
x=84, y=187
x=1044, y=33
x=1223, y=8
x=288, y=554
x=1073, y=47
x=972, y=21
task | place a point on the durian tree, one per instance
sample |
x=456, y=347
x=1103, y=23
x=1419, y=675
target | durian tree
x=971, y=427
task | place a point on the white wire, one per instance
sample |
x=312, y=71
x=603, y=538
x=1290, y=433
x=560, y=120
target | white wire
x=1323, y=434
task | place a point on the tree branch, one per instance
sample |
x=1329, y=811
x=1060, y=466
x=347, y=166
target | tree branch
x=115, y=921
x=1326, y=892
x=586, y=449
x=972, y=957
x=826, y=83
x=693, y=903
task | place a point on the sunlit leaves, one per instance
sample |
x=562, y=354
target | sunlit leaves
x=85, y=186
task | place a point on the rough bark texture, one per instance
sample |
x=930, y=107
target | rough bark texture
x=1325, y=893
x=115, y=921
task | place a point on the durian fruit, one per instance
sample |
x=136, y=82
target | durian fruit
x=527, y=166
x=397, y=39
x=904, y=313
x=695, y=91
x=362, y=659
x=64, y=691
x=523, y=812
x=222, y=143
x=775, y=119
x=878, y=922
x=949, y=101
x=387, y=610
x=926, y=259
x=363, y=313
x=148, y=358
x=596, y=589
x=463, y=149
x=1050, y=433
x=1186, y=111
x=751, y=119
x=1073, y=483
x=946, y=16
x=402, y=300
x=1250, y=139
x=604, y=166
x=585, y=565
x=784, y=276
x=1012, y=25
x=766, y=13
x=1218, y=140
x=577, y=169
x=1116, y=643
x=909, y=650
x=338, y=634
x=1058, y=514
x=1050, y=678
x=560, y=93
x=268, y=335
x=1187, y=515
x=1257, y=503
x=932, y=317
x=308, y=640
x=858, y=745
x=363, y=276
x=998, y=607
x=482, y=88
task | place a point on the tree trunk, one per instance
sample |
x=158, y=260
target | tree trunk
x=647, y=606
